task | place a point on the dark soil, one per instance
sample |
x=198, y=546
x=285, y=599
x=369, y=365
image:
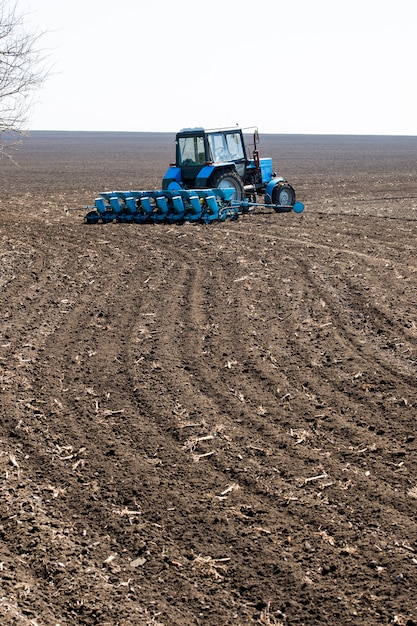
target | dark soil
x=209, y=424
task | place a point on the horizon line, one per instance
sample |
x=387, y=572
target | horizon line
x=168, y=132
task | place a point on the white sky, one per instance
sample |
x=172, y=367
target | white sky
x=287, y=66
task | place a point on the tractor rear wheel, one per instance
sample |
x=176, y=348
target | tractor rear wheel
x=283, y=194
x=227, y=180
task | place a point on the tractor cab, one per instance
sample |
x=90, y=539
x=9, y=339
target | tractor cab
x=198, y=147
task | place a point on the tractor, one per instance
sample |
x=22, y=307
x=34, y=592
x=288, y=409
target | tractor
x=218, y=159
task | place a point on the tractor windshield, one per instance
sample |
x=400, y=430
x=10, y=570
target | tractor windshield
x=226, y=147
x=191, y=150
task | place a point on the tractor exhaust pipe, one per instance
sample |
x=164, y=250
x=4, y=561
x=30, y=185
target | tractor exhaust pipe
x=255, y=150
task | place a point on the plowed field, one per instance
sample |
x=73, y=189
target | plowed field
x=209, y=424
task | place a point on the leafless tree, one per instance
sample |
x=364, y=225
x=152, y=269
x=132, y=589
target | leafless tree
x=21, y=72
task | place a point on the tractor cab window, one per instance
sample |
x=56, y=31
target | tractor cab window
x=191, y=150
x=218, y=147
x=234, y=144
x=225, y=147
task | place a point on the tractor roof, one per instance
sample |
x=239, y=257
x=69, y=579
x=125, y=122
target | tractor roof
x=199, y=129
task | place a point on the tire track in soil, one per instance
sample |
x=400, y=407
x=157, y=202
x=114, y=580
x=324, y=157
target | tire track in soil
x=193, y=533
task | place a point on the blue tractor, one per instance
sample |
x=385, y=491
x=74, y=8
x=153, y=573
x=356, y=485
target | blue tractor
x=213, y=179
x=219, y=159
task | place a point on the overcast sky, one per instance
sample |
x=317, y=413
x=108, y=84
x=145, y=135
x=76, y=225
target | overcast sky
x=287, y=66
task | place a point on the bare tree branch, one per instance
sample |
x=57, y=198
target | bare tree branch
x=21, y=72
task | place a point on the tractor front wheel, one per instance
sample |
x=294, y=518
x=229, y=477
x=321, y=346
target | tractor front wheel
x=283, y=194
x=227, y=180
